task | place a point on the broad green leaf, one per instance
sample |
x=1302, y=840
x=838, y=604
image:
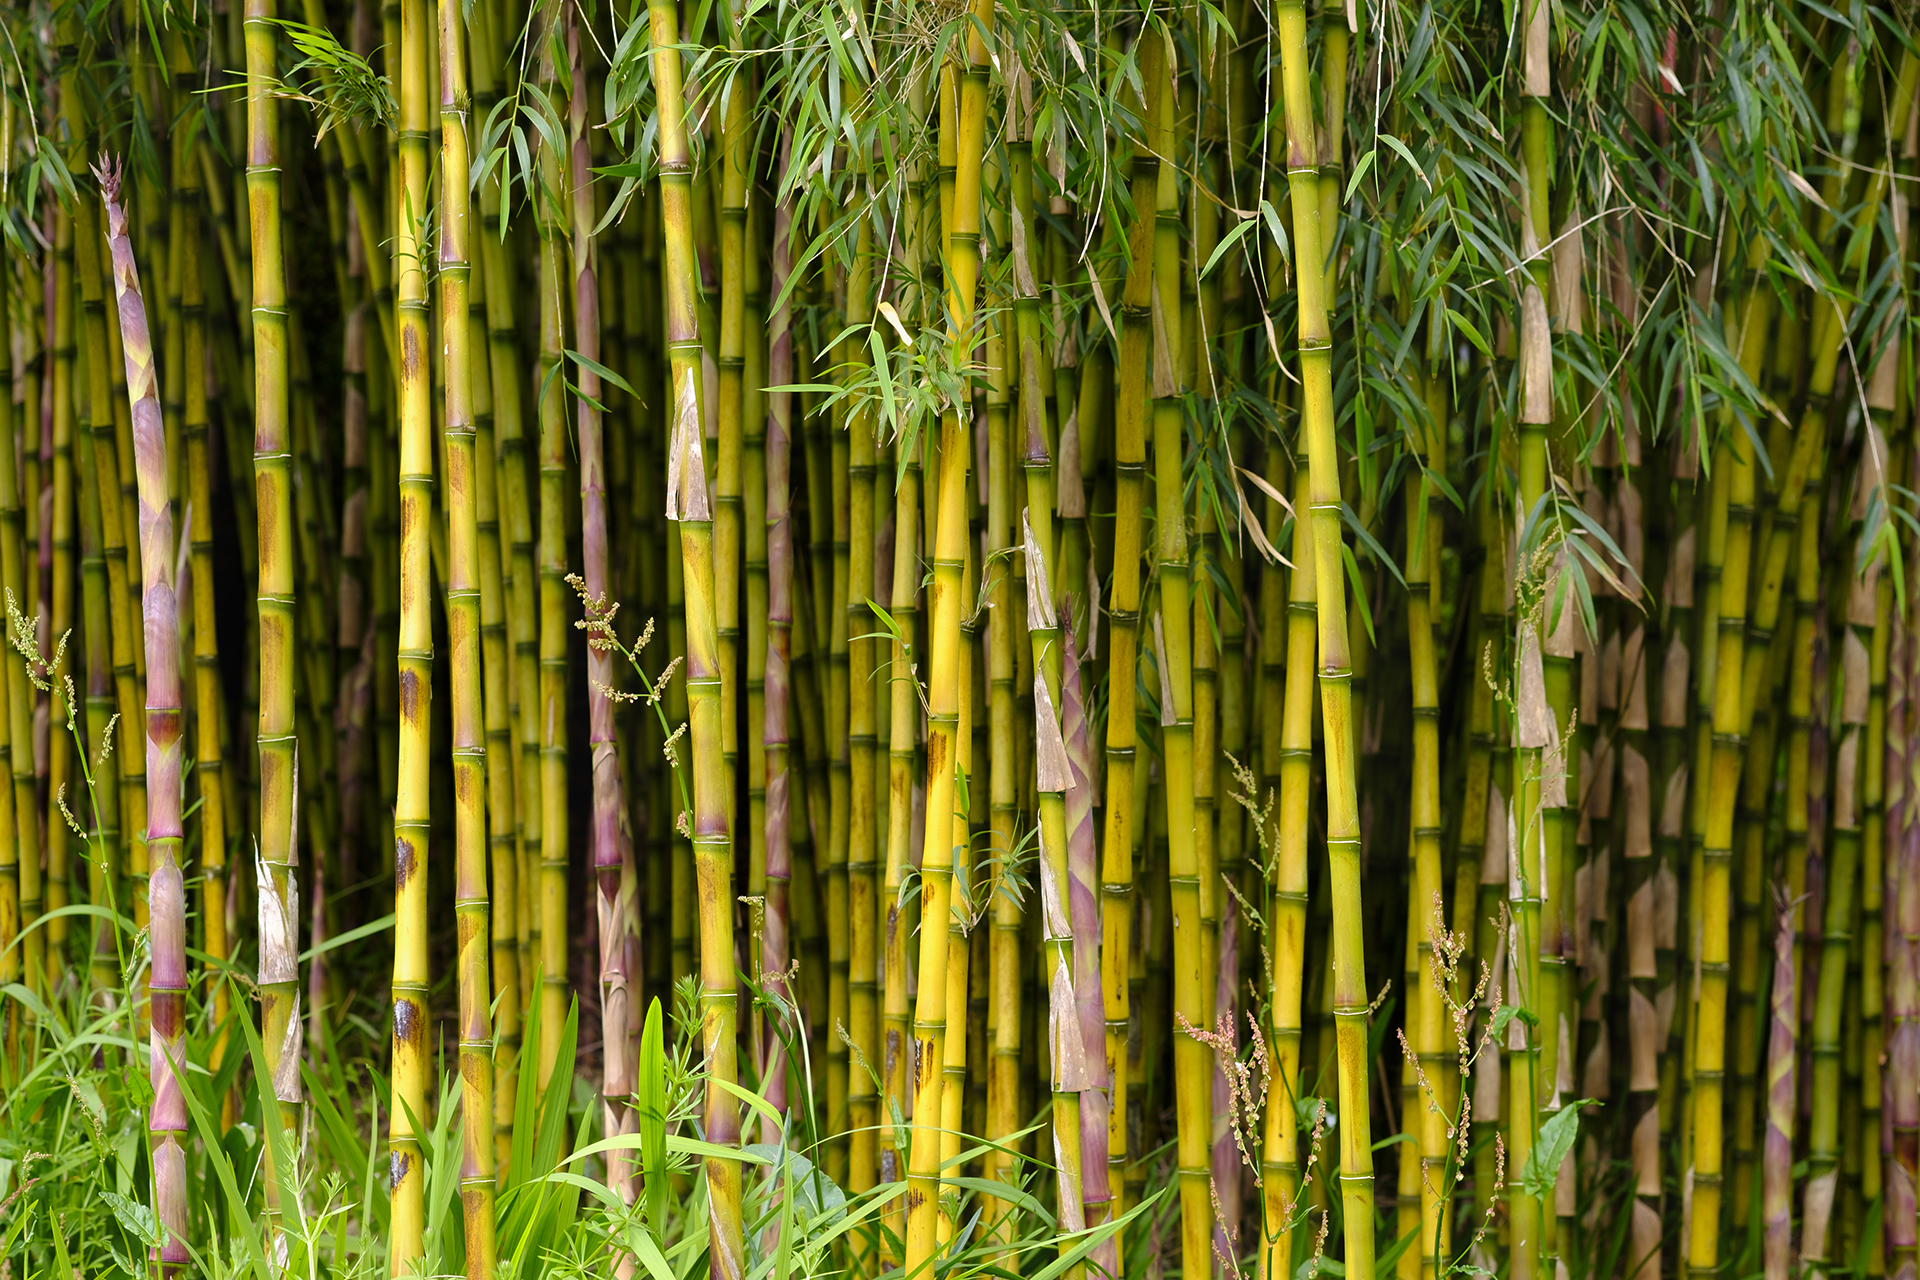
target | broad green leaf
x=1550, y=1149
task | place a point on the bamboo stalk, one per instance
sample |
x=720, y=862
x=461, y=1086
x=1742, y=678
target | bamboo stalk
x=501, y=776
x=43, y=890
x=863, y=909
x=555, y=597
x=689, y=507
x=102, y=691
x=1438, y=1057
x=167, y=985
x=522, y=611
x=1066, y=1051
x=946, y=732
x=1124, y=820
x=1287, y=888
x=466, y=572
x=1004, y=1116
x=20, y=798
x=278, y=854
x=209, y=703
x=777, y=537
x=962, y=918
x=898, y=925
x=834, y=609
x=736, y=163
x=412, y=820
x=1350, y=997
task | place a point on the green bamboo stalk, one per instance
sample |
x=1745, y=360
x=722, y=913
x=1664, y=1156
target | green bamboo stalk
x=408, y=1116
x=18, y=692
x=556, y=598
x=44, y=890
x=496, y=675
x=947, y=736
x=835, y=609
x=1436, y=1105
x=1066, y=1047
x=99, y=598
x=961, y=918
x=278, y=772
x=1004, y=1117
x=1124, y=820
x=753, y=644
x=167, y=933
x=498, y=282
x=1287, y=890
x=465, y=573
x=898, y=924
x=736, y=164
x=1173, y=630
x=1350, y=997
x=209, y=704
x=1824, y=1144
x=863, y=908
x=688, y=506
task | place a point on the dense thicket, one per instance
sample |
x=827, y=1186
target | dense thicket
x=959, y=638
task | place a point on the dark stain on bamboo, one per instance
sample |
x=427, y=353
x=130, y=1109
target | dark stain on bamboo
x=409, y=696
x=406, y=1021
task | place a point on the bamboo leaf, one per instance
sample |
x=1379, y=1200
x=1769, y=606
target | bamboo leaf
x=1407, y=155
x=1227, y=242
x=1359, y=172
x=366, y=930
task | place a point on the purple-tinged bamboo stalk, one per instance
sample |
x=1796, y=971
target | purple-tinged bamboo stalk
x=1083, y=910
x=1776, y=1171
x=613, y=885
x=167, y=985
x=1902, y=1093
x=774, y=947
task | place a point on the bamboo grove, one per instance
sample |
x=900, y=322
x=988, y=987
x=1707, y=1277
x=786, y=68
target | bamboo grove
x=960, y=637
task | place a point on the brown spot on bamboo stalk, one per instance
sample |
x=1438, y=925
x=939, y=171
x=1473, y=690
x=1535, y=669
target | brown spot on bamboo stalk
x=402, y=862
x=407, y=1022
